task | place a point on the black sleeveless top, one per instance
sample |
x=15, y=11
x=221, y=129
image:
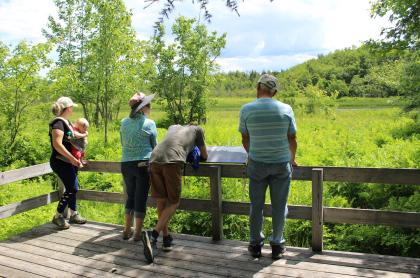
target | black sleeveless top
x=59, y=124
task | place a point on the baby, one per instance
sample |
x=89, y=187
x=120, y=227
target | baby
x=79, y=140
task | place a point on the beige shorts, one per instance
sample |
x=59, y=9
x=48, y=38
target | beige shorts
x=166, y=180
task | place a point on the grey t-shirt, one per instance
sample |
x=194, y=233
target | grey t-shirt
x=178, y=142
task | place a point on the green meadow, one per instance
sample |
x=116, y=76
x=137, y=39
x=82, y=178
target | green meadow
x=360, y=133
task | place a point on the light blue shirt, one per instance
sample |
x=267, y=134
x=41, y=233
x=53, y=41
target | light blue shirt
x=268, y=122
x=138, y=138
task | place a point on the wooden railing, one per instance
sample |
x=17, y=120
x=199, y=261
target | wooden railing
x=317, y=213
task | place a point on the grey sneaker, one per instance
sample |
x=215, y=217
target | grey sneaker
x=77, y=219
x=60, y=222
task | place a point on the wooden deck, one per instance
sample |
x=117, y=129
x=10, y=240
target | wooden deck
x=97, y=250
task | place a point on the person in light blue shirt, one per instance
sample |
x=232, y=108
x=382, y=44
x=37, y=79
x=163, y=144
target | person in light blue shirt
x=138, y=136
x=268, y=131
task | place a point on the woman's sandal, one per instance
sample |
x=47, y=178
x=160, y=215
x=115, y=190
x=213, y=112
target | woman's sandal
x=137, y=236
x=127, y=234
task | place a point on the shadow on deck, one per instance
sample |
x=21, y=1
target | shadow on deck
x=97, y=250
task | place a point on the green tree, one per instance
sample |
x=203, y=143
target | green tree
x=185, y=69
x=100, y=60
x=411, y=83
x=20, y=86
x=71, y=33
x=404, y=35
x=405, y=15
x=169, y=7
x=116, y=53
x=380, y=81
x=318, y=100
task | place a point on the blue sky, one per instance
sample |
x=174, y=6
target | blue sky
x=266, y=36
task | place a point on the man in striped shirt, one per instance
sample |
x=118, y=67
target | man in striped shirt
x=268, y=131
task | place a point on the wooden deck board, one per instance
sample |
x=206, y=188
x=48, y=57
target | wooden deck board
x=97, y=250
x=239, y=259
x=12, y=272
x=235, y=243
x=231, y=249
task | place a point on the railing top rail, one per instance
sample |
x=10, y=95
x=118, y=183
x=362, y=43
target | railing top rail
x=24, y=173
x=229, y=170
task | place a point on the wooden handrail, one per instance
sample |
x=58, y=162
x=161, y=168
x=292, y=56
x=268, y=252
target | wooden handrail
x=24, y=173
x=408, y=176
x=216, y=206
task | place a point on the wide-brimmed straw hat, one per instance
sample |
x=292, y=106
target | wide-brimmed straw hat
x=138, y=101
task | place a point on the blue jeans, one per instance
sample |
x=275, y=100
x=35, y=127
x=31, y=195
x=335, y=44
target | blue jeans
x=277, y=176
x=136, y=180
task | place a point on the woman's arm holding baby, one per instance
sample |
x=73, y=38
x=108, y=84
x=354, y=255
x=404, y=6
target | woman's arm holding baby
x=79, y=135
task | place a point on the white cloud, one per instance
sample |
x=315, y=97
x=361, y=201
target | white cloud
x=274, y=34
x=260, y=63
x=24, y=19
x=350, y=24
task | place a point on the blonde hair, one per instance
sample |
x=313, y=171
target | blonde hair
x=61, y=104
x=82, y=122
x=57, y=108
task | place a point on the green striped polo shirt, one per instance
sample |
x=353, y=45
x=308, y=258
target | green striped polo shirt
x=268, y=122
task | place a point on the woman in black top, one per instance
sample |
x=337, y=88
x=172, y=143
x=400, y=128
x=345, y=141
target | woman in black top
x=63, y=163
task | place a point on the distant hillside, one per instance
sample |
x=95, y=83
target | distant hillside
x=354, y=72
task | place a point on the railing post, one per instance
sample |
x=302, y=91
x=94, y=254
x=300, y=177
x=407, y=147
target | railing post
x=216, y=203
x=61, y=190
x=317, y=209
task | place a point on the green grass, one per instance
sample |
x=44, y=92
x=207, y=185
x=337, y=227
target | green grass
x=231, y=103
x=18, y=191
x=371, y=103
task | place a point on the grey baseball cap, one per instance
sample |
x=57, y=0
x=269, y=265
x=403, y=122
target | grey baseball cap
x=270, y=81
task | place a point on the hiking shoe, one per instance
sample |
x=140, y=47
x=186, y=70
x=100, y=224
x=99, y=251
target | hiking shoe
x=127, y=234
x=77, y=219
x=149, y=245
x=167, y=243
x=255, y=250
x=277, y=251
x=60, y=222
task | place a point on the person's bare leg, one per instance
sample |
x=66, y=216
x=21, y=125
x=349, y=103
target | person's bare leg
x=139, y=227
x=165, y=216
x=161, y=205
x=128, y=230
x=128, y=222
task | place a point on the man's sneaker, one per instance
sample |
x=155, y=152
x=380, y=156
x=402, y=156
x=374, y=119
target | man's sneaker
x=77, y=219
x=255, y=250
x=167, y=243
x=277, y=251
x=149, y=245
x=60, y=222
